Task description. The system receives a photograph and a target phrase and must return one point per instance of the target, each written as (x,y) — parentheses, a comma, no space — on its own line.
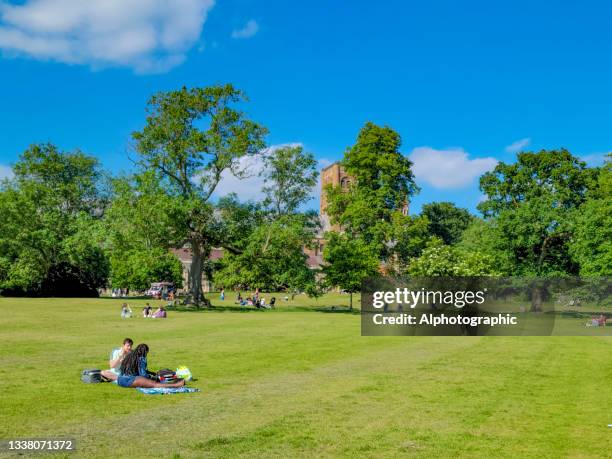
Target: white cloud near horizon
(150,36)
(448,168)
(6,172)
(518,145)
(249,30)
(248,188)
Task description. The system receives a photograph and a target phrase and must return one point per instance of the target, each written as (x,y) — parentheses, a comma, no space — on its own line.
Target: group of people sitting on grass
(128,367)
(147,312)
(597,321)
(255,300)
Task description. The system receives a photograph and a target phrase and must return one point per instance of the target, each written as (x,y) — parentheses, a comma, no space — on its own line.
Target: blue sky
(465,83)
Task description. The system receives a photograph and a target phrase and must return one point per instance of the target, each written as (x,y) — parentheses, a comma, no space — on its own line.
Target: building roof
(184,254)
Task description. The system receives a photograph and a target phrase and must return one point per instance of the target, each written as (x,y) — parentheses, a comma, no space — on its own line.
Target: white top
(114,356)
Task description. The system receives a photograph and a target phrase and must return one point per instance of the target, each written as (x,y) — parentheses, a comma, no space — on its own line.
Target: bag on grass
(167,376)
(91,376)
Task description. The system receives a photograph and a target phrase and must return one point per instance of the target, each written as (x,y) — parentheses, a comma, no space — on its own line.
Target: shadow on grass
(126,298)
(573,314)
(248,309)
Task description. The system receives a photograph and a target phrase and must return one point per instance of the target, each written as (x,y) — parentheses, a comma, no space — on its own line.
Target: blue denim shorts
(126,380)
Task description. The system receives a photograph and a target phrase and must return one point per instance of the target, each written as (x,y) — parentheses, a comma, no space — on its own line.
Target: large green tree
(190,139)
(373,206)
(591,243)
(532,203)
(50,234)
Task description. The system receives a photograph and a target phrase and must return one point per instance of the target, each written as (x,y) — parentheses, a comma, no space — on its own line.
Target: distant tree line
(547,214)
(67,228)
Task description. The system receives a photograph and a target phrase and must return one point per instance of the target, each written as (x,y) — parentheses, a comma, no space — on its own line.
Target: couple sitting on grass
(159,314)
(129,368)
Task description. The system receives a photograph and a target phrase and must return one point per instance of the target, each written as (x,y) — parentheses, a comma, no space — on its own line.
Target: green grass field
(298,381)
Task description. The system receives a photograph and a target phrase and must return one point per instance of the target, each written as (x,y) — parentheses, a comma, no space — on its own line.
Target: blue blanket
(168,390)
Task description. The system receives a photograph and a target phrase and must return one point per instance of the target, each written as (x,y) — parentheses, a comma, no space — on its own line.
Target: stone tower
(331,175)
(336,175)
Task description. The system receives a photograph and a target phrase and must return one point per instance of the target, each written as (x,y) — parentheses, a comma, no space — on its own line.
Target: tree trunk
(536,299)
(351,301)
(195,295)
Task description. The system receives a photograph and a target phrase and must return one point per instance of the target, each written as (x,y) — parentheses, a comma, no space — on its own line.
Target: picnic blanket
(167,390)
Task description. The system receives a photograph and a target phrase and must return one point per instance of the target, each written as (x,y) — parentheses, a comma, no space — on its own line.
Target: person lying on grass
(116,358)
(134,371)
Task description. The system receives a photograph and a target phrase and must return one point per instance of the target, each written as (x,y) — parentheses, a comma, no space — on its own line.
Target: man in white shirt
(116,357)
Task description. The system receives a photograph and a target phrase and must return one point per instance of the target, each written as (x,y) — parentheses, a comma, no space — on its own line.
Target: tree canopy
(290,175)
(67,228)
(50,236)
(446,220)
(591,243)
(372,207)
(531,203)
(191,137)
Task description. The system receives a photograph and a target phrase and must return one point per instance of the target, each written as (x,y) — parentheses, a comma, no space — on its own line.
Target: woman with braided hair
(134,370)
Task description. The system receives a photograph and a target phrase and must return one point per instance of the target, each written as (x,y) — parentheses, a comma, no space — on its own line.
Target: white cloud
(248,31)
(249,187)
(6,172)
(595,159)
(147,35)
(450,168)
(518,145)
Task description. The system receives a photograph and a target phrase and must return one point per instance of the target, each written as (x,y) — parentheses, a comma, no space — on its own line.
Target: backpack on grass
(91,376)
(167,376)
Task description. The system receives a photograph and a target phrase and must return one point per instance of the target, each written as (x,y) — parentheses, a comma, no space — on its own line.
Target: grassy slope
(303,383)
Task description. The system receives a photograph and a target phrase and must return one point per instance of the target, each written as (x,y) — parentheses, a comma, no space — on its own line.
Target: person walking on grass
(116,358)
(134,371)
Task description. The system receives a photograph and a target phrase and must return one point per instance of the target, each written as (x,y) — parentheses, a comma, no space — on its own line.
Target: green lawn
(298,381)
